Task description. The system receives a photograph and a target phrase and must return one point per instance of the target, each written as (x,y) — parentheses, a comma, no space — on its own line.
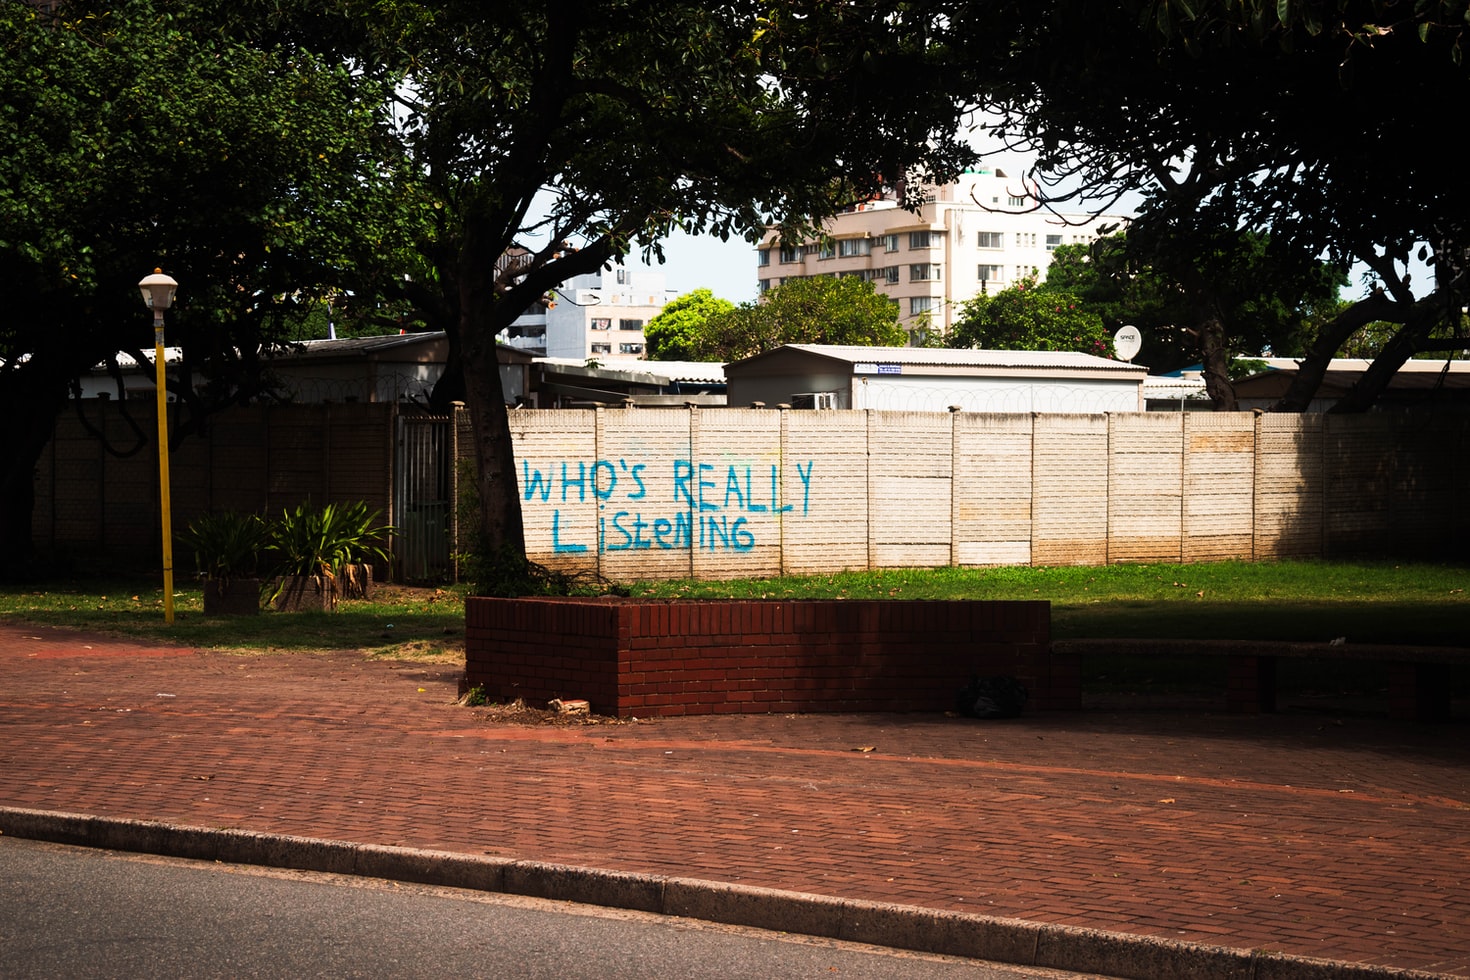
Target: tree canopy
(812,310)
(1316,124)
(1259,309)
(674,334)
(1026,317)
(136,138)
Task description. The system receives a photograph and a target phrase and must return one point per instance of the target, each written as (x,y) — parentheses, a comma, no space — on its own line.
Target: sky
(692,262)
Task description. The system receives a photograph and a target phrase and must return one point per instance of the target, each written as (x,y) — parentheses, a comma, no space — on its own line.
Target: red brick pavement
(1346,838)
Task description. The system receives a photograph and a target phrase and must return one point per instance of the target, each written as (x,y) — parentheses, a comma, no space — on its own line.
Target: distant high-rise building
(599,316)
(981,233)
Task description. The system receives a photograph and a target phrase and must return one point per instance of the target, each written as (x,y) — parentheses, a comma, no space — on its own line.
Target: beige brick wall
(764,491)
(992,489)
(824,481)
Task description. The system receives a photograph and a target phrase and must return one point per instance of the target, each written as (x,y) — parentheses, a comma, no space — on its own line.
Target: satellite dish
(1127,342)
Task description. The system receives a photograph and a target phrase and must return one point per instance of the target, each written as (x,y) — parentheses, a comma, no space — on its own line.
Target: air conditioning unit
(814,399)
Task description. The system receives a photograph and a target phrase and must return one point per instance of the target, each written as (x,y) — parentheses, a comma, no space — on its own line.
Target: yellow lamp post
(158,292)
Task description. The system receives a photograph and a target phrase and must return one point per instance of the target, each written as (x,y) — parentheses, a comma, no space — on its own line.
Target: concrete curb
(1011,941)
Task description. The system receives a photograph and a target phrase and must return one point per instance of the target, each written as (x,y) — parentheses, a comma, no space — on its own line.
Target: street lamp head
(158,290)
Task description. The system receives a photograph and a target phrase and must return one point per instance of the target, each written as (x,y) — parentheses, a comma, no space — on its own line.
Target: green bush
(322,541)
(226,544)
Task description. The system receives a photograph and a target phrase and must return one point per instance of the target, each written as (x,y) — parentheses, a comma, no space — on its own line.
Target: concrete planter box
(645,658)
(317,593)
(232,597)
(303,593)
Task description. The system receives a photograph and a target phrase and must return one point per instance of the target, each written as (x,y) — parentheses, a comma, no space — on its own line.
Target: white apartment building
(972,236)
(600,316)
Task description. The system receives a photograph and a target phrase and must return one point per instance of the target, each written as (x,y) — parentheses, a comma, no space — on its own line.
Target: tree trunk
(1215,363)
(1367,389)
(30,420)
(500,503)
(1313,368)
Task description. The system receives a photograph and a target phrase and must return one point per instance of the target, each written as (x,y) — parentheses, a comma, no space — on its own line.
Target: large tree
(1262,307)
(674,334)
(1025,317)
(810,310)
(186,138)
(558,136)
(1317,123)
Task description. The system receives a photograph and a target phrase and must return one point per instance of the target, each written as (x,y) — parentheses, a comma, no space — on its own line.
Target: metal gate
(423,498)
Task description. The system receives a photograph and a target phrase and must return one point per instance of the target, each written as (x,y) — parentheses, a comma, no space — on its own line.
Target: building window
(762,285)
(890,243)
(919,305)
(1016,202)
(920,239)
(630,324)
(789,254)
(602,348)
(601,323)
(622,277)
(989,273)
(1052,242)
(890,275)
(1022,271)
(990,239)
(763,257)
(630,348)
(825,250)
(923,272)
(854,246)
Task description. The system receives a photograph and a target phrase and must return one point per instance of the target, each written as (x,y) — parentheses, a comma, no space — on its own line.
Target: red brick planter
(647,658)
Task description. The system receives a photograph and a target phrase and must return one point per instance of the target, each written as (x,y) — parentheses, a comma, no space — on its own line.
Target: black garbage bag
(992,697)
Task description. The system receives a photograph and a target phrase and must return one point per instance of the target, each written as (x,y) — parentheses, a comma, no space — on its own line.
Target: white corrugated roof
(1361,364)
(1155,386)
(944,357)
(361,345)
(705,372)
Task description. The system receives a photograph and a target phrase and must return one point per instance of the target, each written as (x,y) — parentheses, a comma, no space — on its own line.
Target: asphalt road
(78,913)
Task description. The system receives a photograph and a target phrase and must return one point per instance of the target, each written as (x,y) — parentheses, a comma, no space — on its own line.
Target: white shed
(935,380)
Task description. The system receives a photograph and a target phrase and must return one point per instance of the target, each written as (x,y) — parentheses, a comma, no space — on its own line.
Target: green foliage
(1245,367)
(1257,118)
(312,541)
(506,573)
(816,310)
(226,544)
(217,142)
(674,334)
(1262,306)
(246,169)
(1025,317)
(1124,291)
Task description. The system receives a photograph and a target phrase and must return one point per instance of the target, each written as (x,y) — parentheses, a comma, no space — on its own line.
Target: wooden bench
(1419,677)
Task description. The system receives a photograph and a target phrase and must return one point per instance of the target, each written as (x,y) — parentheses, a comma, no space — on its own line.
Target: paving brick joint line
(1339,838)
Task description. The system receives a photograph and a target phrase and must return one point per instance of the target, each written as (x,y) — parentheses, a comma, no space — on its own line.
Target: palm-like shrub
(322,541)
(226,544)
